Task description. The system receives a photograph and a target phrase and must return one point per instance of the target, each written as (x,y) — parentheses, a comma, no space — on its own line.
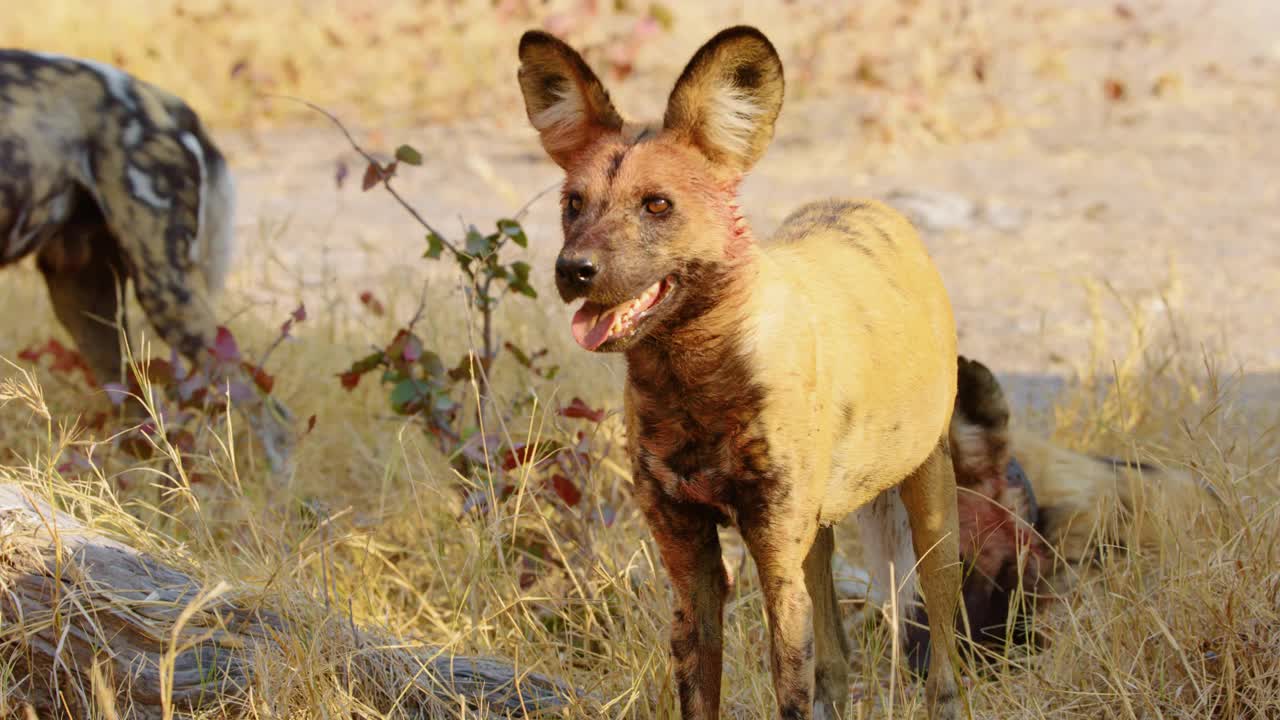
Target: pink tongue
(591,325)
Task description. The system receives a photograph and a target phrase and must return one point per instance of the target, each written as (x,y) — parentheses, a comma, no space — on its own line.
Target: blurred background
(1068,161)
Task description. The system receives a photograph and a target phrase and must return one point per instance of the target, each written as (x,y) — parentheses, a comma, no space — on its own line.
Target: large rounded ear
(728,98)
(565,101)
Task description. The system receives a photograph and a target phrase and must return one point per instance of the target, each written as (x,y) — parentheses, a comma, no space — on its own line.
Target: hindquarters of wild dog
(1033,513)
(105,177)
(774,386)
(84,141)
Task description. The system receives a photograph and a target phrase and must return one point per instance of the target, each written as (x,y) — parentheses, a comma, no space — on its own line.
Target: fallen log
(89,623)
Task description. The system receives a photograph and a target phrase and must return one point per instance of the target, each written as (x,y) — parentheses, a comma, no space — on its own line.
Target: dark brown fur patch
(615,163)
(846,420)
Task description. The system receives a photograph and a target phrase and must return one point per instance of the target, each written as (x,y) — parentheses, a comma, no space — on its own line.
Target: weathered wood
(85,620)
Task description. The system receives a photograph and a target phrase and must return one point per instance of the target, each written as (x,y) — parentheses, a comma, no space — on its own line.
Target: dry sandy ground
(1173,200)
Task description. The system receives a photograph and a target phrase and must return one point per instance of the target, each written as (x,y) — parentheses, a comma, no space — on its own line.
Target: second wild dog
(107,179)
(774,387)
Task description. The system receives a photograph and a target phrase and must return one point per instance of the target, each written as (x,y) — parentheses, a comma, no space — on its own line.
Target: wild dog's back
(886,340)
(75,132)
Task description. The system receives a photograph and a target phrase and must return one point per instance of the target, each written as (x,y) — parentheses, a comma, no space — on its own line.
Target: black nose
(577,272)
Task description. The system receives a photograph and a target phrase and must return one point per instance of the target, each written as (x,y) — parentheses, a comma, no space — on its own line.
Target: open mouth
(594,324)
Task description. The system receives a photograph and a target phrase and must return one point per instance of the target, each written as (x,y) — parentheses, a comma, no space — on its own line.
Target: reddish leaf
(296,316)
(579,409)
(184,441)
(462,371)
(159,372)
(224,347)
(372,174)
(260,377)
(516,456)
(372,303)
(311,424)
(350,379)
(64,359)
(1115,90)
(405,346)
(412,349)
(565,488)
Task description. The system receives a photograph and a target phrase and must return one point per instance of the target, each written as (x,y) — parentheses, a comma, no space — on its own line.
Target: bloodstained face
(643,219)
(651,225)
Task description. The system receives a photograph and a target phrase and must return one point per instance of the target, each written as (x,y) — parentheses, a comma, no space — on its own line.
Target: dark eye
(657,205)
(574,204)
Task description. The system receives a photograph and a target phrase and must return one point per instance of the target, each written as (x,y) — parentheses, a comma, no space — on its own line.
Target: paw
(944,703)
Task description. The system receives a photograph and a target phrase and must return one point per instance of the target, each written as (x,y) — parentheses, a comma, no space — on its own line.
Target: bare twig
(524,210)
(422,306)
(385,179)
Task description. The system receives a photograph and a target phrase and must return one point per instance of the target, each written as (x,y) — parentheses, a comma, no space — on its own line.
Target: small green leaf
(521,270)
(523,288)
(512,229)
(462,371)
(521,356)
(435,246)
(432,365)
(407,393)
(408,155)
(477,244)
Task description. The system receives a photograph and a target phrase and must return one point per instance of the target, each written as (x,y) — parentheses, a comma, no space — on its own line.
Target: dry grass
(370,527)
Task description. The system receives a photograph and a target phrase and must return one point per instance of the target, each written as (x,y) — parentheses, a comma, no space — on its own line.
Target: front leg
(690,548)
(85,274)
(779,538)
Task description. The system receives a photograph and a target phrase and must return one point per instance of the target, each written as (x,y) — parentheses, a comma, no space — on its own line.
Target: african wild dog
(778,387)
(1032,513)
(106,178)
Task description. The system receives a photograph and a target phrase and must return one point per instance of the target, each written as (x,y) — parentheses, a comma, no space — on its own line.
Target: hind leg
(831,647)
(159,236)
(929,495)
(85,277)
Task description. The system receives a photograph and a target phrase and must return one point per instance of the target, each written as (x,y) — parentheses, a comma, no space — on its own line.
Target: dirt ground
(1169,194)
